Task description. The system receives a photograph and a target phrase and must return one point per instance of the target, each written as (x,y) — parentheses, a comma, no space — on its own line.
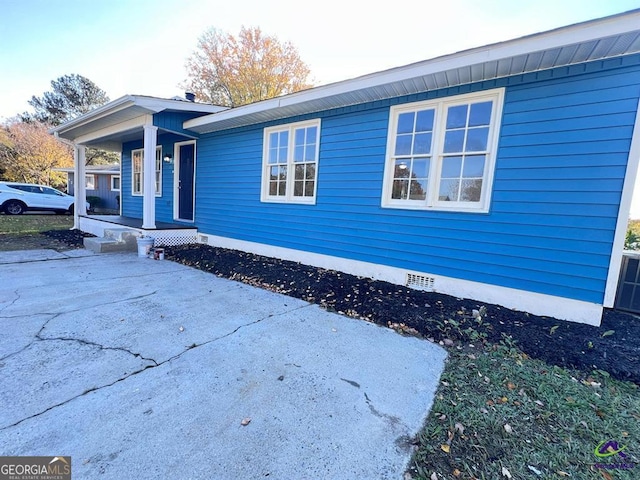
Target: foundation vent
(420,282)
(204,239)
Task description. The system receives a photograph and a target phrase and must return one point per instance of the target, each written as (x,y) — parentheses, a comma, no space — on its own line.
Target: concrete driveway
(146,369)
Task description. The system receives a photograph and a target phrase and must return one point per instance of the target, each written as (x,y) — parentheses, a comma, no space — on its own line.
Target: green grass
(498,409)
(30,224)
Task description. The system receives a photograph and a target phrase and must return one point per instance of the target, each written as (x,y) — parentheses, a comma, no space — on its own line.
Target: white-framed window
(290,162)
(90,182)
(441,153)
(137,171)
(115,183)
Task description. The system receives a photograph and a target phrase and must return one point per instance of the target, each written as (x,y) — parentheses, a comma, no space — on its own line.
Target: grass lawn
(499,414)
(30,224)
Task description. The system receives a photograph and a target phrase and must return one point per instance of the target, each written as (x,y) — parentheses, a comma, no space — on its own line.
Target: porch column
(149,177)
(79,190)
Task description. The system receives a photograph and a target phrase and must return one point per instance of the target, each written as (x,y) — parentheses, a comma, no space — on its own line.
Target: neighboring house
(102,181)
(502,173)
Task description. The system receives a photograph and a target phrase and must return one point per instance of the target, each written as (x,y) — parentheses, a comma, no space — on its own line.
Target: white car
(17,198)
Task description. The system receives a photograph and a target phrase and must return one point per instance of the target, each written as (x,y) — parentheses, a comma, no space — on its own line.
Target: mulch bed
(614,347)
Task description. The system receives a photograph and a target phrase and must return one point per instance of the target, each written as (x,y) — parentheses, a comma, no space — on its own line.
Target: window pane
(283,173)
(403,144)
(471,190)
(422,143)
(284,138)
(457,116)
(400,189)
(273,173)
(401,169)
(299,172)
(453,140)
(298,153)
(273,188)
(424,121)
(309,189)
(312,135)
(420,167)
(477,139)
(473,166)
(282,189)
(282,155)
(448,190)
(418,190)
(298,189)
(405,122)
(310,171)
(273,140)
(273,155)
(451,167)
(480,114)
(310,153)
(299,137)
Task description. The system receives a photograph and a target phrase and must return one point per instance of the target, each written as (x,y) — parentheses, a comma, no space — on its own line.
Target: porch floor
(137,222)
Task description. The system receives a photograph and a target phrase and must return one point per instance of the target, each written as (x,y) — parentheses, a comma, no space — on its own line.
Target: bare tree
(230,71)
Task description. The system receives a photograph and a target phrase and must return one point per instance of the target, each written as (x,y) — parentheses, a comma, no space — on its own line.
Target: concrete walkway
(146,369)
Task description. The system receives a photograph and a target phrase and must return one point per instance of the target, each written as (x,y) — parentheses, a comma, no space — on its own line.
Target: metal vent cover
(420,282)
(204,239)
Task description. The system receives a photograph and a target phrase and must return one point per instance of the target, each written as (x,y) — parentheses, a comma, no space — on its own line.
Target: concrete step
(105,245)
(122,235)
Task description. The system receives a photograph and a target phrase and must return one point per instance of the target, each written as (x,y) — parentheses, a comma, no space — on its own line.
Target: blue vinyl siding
(560,168)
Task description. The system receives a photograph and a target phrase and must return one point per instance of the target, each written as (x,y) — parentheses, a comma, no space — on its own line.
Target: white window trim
(111,183)
(88,182)
(289,197)
(158,192)
(440,105)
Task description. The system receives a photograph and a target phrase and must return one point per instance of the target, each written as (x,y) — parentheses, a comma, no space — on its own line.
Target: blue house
(101,182)
(502,173)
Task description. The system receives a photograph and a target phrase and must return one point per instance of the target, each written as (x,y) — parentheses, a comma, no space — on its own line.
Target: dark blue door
(186,169)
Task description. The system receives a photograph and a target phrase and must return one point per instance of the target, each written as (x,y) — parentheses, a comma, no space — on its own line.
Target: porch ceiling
(600,39)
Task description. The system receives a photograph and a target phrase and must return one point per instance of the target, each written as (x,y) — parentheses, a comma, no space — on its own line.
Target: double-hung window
(137,171)
(290,162)
(441,153)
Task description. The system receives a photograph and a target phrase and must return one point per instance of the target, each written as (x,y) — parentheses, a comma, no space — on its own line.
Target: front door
(186,172)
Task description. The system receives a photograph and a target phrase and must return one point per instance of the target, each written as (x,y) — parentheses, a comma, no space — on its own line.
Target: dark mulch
(70,238)
(613,347)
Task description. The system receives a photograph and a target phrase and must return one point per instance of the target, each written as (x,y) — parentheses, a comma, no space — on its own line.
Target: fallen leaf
(539,403)
(563,474)
(511,386)
(456,473)
(534,470)
(484,410)
(508,428)
(608,333)
(434,476)
(553,329)
(245,421)
(605,475)
(491,403)
(459,427)
(506,472)
(442,417)
(445,448)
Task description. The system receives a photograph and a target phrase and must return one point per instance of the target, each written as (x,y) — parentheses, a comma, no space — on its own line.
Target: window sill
(439,208)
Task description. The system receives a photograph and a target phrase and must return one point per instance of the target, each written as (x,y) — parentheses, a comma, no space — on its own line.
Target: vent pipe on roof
(190,96)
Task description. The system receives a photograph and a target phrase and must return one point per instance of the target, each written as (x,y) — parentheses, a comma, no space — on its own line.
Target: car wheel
(14,207)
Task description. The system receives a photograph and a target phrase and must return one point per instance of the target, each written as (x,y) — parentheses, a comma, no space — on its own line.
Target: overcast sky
(140,46)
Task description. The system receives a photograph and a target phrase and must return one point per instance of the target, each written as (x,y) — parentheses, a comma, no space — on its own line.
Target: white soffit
(600,39)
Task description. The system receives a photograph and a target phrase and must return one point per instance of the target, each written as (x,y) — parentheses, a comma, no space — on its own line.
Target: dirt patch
(58,240)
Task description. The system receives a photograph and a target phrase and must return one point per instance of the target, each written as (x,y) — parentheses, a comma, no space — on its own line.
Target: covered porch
(165,233)
(157,188)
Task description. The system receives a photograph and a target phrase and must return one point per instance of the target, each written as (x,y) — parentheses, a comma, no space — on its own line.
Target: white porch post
(149,177)
(80,190)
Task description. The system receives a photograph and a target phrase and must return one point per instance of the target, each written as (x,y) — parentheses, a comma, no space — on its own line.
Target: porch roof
(122,120)
(599,39)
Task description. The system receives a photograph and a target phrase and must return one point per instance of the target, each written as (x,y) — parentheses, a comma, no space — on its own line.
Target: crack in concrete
(86,307)
(12,301)
(147,367)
